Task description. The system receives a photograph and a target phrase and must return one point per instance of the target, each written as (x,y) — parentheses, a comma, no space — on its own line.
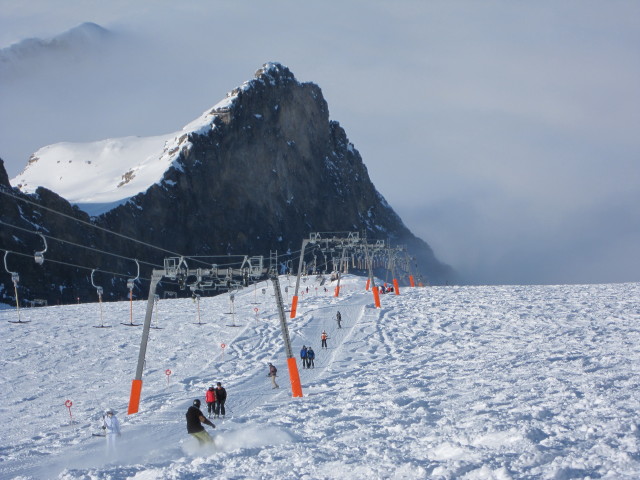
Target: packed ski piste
(471,382)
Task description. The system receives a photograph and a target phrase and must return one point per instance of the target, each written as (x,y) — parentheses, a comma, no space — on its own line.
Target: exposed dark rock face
(273,169)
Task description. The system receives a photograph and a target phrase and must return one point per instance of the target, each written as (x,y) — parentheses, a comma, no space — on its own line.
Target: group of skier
(307,355)
(215,398)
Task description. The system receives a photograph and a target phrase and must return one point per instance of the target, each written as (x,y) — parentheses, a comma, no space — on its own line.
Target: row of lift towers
(340,250)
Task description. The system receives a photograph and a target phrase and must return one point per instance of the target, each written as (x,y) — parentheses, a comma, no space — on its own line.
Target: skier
(210,398)
(195,419)
(339,319)
(303,356)
(310,356)
(324,337)
(221,397)
(111,427)
(272,373)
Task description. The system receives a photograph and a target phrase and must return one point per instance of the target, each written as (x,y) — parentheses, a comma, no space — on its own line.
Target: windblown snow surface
(441,382)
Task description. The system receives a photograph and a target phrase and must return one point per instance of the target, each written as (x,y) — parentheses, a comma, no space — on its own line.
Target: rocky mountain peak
(257,173)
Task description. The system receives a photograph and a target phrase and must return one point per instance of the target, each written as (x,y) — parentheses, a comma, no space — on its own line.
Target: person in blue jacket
(310,356)
(303,356)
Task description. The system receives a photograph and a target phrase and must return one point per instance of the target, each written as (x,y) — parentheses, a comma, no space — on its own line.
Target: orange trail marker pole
(376,297)
(294,376)
(134,399)
(294,306)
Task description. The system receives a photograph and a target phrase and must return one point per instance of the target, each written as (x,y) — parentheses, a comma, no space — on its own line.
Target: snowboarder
(339,319)
(303,356)
(210,398)
(310,356)
(195,419)
(324,337)
(221,397)
(272,373)
(111,427)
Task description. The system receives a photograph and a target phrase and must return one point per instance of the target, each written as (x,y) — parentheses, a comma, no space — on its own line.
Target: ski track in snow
(442,382)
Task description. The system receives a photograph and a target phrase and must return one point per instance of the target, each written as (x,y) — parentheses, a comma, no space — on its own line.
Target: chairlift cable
(74,265)
(78,245)
(4,192)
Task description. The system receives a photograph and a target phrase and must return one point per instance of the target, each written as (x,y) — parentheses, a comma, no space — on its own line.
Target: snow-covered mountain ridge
(100,175)
(75,40)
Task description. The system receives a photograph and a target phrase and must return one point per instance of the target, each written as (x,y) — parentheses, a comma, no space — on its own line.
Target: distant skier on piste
(311,355)
(210,398)
(303,356)
(195,419)
(339,319)
(324,337)
(273,371)
(111,427)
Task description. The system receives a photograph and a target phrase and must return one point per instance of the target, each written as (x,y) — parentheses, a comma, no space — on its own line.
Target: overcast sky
(505,134)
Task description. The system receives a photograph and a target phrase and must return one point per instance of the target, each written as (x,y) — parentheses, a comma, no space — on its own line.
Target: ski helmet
(196,403)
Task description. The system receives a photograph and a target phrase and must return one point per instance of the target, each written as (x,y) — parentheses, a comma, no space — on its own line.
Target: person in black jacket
(221,397)
(195,419)
(273,372)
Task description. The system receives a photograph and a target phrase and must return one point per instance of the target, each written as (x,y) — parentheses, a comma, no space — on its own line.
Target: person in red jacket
(210,398)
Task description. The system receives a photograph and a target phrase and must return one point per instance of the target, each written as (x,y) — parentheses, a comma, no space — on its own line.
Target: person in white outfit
(111,427)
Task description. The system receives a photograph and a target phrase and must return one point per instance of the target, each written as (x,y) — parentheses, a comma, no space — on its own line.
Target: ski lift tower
(343,239)
(294,375)
(176,268)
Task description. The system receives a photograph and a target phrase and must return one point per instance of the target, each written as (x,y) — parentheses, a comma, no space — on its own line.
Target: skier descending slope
(273,372)
(111,427)
(195,419)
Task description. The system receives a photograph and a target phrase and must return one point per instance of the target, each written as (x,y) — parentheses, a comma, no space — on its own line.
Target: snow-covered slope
(443,382)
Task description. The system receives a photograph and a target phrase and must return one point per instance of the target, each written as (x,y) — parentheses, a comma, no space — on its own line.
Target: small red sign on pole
(68,404)
(167,372)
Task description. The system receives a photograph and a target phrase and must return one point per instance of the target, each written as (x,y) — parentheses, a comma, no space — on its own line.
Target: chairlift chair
(15,278)
(99,291)
(130,284)
(39,256)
